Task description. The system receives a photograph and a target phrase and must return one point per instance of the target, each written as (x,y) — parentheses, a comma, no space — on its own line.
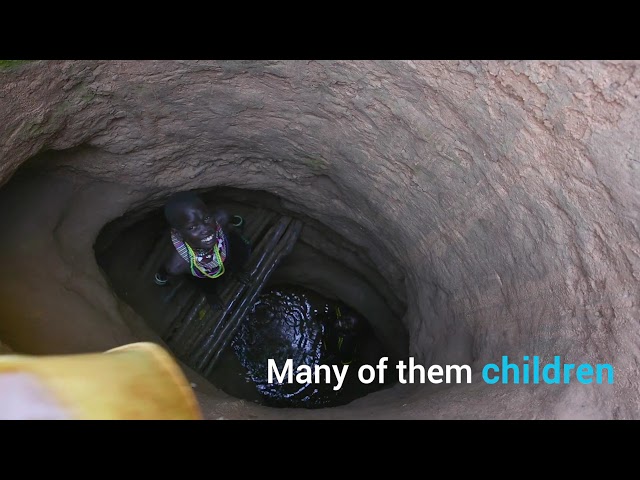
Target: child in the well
(206,246)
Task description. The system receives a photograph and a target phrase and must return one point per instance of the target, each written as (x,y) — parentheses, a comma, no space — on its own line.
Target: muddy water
(289,322)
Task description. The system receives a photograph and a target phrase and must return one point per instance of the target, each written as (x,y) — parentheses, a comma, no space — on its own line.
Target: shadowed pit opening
(296,317)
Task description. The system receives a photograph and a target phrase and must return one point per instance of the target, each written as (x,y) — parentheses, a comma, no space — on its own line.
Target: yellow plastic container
(139,381)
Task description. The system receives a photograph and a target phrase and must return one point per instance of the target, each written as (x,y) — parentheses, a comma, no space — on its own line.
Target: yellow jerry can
(138,381)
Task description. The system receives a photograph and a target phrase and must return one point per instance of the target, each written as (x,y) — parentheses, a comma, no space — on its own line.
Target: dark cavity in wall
(298,311)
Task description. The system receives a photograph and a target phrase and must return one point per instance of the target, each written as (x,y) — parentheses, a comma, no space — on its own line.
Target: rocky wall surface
(499,199)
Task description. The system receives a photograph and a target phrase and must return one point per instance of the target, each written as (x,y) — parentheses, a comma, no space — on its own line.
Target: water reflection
(290,322)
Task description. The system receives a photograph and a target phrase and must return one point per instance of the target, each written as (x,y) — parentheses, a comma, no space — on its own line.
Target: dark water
(290,322)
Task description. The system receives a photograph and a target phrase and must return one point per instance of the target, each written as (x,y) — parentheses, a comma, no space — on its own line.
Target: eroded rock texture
(499,200)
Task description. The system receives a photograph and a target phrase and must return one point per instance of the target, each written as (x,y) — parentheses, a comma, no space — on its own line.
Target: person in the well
(343,334)
(206,246)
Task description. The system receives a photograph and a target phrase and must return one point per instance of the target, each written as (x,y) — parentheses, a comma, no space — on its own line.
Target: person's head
(188,214)
(347,323)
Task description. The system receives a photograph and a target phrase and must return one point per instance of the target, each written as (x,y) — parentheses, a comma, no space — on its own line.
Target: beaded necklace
(202,268)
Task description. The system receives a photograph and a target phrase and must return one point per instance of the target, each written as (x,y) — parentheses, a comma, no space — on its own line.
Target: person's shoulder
(222,217)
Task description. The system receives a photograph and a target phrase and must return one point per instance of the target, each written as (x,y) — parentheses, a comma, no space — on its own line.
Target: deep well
(491,206)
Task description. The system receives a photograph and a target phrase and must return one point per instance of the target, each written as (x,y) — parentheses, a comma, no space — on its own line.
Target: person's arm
(176,265)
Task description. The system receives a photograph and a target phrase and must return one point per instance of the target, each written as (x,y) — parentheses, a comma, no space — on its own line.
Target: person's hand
(24,397)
